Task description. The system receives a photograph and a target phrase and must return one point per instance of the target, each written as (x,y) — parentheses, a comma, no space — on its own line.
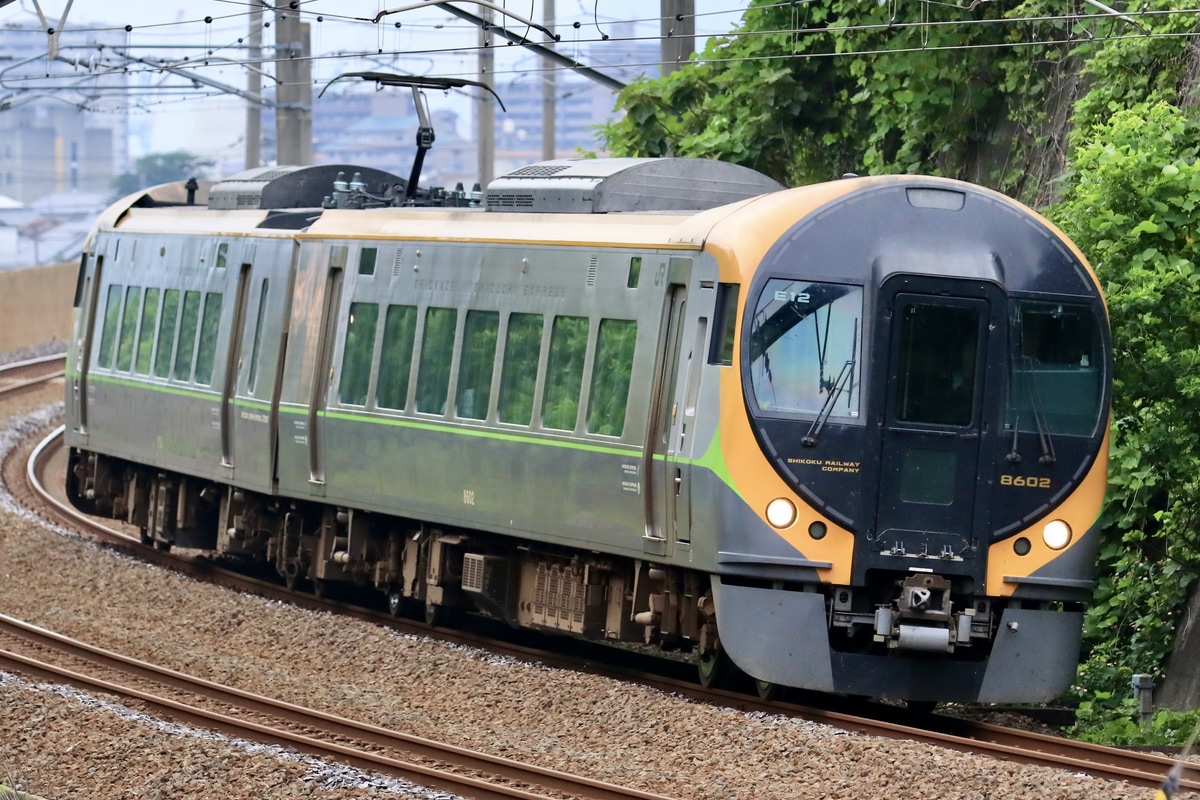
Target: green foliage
(156,168)
(805,92)
(1132,208)
(1105,721)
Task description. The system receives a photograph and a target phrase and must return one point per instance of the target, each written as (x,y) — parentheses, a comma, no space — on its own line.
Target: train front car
(925,366)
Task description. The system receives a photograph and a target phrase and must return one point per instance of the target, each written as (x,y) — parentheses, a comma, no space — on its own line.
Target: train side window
(252,379)
(720,350)
(166,333)
(635,272)
(185,350)
(395,358)
(145,341)
(366,261)
(564,372)
(222,254)
(209,328)
(437,351)
(476,363)
(112,315)
(356,355)
(518,373)
(611,370)
(133,299)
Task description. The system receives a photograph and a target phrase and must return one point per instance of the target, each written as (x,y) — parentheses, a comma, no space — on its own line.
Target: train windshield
(1056,372)
(805,346)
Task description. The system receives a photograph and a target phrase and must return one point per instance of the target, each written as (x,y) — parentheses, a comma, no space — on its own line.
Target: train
(849,437)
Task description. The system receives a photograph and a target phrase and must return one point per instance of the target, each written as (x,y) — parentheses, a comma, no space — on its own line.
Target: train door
(941,338)
(86,293)
(660,457)
(234,358)
(321,378)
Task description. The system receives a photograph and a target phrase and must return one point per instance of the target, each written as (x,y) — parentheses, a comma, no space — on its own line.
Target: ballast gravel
(58,743)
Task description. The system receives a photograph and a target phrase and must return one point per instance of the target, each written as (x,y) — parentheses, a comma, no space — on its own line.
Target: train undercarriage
(440,571)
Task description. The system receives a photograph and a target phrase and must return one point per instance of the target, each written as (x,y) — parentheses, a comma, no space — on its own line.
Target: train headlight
(781,512)
(1056,534)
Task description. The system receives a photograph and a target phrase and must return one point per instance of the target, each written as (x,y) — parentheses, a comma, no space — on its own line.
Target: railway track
(1138,768)
(249,716)
(20,376)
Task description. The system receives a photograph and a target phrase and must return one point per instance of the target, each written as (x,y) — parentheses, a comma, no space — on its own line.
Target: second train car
(851,437)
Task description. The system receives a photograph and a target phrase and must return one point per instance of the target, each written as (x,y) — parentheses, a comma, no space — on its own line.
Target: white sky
(432,42)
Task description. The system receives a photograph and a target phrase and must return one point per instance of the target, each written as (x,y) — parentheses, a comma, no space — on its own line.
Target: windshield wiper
(839,386)
(1043,430)
(835,391)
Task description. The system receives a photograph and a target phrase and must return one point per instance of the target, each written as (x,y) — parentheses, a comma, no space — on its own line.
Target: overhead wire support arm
(197,78)
(516,38)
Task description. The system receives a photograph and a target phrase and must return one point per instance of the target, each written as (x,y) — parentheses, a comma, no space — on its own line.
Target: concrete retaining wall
(35,305)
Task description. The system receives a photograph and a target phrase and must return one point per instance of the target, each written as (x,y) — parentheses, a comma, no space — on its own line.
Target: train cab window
(478,359)
(395,358)
(112,316)
(145,342)
(209,328)
(222,254)
(564,372)
(356,356)
(437,352)
(166,333)
(133,299)
(720,350)
(939,347)
(1056,370)
(366,261)
(611,371)
(804,347)
(518,373)
(252,379)
(188,326)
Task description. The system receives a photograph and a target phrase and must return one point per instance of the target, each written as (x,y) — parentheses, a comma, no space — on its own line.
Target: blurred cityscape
(60,158)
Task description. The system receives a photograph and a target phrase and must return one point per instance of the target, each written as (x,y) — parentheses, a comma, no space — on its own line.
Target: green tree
(156,168)
(808,91)
(1132,207)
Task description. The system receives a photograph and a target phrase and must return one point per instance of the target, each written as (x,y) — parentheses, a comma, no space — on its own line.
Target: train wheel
(766,690)
(161,546)
(434,615)
(395,600)
(714,669)
(291,577)
(320,588)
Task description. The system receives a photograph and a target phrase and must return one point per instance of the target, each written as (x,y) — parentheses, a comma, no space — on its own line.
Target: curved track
(20,376)
(1138,768)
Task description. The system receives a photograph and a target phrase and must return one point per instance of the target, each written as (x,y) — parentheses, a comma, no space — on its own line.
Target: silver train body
(850,437)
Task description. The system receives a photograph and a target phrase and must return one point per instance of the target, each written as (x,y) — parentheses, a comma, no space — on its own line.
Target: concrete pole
(678,35)
(485,116)
(293,112)
(254,86)
(549,90)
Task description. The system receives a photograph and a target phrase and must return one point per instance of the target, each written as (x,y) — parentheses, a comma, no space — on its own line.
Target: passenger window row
(131,317)
(561,383)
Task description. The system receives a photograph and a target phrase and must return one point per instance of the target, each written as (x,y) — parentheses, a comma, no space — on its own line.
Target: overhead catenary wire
(197,55)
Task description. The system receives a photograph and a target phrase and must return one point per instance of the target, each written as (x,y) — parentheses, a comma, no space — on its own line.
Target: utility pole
(293,111)
(486,114)
(678,33)
(254,87)
(549,89)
